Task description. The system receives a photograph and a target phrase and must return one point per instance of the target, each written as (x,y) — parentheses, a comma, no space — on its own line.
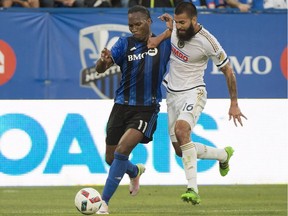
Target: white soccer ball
(88,201)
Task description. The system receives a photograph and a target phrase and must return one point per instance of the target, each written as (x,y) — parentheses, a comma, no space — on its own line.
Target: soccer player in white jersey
(192,46)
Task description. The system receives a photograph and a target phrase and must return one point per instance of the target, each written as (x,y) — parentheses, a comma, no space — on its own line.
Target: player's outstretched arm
(104,62)
(234,110)
(155,41)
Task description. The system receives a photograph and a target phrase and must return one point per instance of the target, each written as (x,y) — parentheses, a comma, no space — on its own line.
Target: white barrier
(62,142)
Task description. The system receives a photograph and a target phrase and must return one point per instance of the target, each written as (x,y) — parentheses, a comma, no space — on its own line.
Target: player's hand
(168,19)
(105,61)
(153,42)
(236,114)
(105,55)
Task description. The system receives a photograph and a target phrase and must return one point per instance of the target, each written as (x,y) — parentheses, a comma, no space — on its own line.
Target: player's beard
(189,33)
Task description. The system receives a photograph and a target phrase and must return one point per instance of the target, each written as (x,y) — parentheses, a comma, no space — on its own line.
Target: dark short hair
(141,9)
(186,7)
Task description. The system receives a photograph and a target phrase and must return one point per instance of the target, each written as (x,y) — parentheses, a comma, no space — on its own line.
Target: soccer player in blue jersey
(134,115)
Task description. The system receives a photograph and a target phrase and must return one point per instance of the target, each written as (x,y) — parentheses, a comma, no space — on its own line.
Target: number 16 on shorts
(187,107)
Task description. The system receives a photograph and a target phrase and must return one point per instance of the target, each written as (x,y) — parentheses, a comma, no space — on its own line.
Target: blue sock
(132,170)
(117,170)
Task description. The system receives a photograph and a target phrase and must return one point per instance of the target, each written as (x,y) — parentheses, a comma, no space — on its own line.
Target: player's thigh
(116,125)
(129,140)
(191,105)
(173,112)
(144,121)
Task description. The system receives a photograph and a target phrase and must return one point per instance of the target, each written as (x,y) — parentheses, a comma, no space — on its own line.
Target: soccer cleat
(103,209)
(134,182)
(224,167)
(191,196)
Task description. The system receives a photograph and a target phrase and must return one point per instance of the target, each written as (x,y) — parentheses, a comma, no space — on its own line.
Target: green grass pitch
(244,200)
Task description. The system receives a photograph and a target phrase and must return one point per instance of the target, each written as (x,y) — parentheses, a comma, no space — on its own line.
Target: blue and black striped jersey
(142,71)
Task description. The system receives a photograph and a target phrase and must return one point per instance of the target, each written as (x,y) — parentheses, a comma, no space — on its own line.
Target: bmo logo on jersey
(151,52)
(92,40)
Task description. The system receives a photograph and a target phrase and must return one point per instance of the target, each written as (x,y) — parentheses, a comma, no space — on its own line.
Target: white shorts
(186,106)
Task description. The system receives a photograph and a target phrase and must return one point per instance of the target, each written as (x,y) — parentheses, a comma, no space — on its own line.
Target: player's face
(139,25)
(185,26)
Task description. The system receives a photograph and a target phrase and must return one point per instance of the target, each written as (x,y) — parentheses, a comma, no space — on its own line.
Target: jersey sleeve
(118,51)
(167,44)
(216,52)
(167,49)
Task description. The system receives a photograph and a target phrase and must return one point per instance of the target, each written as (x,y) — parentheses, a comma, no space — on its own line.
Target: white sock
(189,159)
(207,152)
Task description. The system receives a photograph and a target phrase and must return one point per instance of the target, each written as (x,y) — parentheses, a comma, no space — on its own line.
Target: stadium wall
(50,54)
(62,142)
(52,121)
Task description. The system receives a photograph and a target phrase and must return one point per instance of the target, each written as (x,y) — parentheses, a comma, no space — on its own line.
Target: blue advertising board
(51,53)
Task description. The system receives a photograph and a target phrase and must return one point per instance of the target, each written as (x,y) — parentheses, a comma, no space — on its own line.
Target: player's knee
(109,159)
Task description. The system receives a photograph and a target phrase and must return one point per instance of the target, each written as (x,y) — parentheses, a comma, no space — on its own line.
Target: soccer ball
(88,201)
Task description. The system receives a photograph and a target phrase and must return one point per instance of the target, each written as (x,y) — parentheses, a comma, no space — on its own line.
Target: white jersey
(188,60)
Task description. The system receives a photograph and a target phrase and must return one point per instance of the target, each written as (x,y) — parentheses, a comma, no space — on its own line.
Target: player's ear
(194,19)
(149,20)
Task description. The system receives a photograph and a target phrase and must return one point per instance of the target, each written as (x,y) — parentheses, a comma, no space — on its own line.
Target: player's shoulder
(122,42)
(203,32)
(124,39)
(208,39)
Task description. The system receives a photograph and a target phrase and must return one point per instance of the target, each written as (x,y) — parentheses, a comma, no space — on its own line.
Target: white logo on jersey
(133,48)
(153,51)
(150,52)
